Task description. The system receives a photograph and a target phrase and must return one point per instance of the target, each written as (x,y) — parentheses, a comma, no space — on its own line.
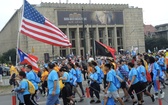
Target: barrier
(13,98)
(88,95)
(158,85)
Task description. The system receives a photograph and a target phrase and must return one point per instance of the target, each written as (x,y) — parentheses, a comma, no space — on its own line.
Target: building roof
(149,29)
(161,25)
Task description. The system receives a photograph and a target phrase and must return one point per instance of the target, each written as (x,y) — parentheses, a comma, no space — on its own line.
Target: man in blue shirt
(53,86)
(1,72)
(111,90)
(30,75)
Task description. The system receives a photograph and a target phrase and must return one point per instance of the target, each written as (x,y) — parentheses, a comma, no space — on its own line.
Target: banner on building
(90,17)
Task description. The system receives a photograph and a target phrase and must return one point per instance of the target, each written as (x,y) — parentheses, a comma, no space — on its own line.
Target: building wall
(133,27)
(8,35)
(129,34)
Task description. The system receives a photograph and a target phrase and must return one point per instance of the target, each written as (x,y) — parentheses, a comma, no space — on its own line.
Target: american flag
(40,28)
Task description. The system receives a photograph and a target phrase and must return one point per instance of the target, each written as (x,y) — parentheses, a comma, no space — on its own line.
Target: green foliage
(160,43)
(5,57)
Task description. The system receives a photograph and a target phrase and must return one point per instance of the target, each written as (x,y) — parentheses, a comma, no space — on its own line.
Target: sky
(155,12)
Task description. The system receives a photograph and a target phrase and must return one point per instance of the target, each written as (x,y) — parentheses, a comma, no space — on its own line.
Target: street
(6,100)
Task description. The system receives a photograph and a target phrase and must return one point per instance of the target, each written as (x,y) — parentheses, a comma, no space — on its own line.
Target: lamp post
(84,42)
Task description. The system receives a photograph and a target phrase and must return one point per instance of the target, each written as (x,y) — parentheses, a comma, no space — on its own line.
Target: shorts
(52,100)
(123,85)
(114,94)
(143,86)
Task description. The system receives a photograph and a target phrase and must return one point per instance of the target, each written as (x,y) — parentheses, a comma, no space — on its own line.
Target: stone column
(67,33)
(115,38)
(77,41)
(97,33)
(106,36)
(87,40)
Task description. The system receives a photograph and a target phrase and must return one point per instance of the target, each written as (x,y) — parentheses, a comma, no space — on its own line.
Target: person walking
(31,76)
(53,86)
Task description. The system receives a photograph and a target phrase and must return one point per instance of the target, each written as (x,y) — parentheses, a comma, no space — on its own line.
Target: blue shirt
(72,74)
(155,69)
(119,74)
(24,85)
(110,78)
(99,75)
(94,76)
(66,75)
(31,77)
(79,75)
(53,76)
(133,72)
(141,70)
(125,67)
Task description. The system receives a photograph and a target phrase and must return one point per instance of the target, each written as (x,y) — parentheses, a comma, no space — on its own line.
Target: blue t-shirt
(125,67)
(31,77)
(72,74)
(119,74)
(94,76)
(79,75)
(141,70)
(66,75)
(156,68)
(53,76)
(24,85)
(110,78)
(133,72)
(99,75)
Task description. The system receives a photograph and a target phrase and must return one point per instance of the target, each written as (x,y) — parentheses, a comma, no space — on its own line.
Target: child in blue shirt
(134,84)
(23,92)
(94,86)
(142,77)
(111,89)
(79,77)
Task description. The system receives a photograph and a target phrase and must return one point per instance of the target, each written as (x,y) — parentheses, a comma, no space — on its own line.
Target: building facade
(116,25)
(162,30)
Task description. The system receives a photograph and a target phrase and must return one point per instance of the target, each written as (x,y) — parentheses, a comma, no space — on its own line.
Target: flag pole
(19,26)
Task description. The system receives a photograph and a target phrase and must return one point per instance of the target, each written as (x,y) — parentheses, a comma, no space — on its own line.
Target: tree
(160,43)
(9,56)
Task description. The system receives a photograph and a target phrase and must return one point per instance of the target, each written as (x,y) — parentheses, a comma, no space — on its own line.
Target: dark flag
(104,50)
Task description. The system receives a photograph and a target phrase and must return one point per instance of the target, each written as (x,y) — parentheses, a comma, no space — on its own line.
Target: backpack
(110,101)
(31,87)
(37,79)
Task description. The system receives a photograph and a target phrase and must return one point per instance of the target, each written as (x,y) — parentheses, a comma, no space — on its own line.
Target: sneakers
(92,101)
(81,100)
(153,98)
(162,95)
(142,102)
(134,103)
(98,101)
(156,95)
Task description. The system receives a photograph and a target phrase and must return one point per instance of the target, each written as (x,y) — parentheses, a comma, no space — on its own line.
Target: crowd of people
(133,74)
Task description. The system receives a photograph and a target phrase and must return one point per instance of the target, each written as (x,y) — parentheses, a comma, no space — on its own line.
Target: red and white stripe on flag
(36,26)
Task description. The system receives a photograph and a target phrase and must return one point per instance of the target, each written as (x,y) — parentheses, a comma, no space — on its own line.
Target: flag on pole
(26,59)
(36,26)
(104,50)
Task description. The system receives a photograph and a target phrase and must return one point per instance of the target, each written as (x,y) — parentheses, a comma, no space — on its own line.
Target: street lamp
(84,42)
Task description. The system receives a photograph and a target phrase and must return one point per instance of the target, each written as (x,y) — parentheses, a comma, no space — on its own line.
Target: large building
(162,30)
(116,25)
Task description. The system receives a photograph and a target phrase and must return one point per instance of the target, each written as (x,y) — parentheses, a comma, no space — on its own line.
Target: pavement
(7,99)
